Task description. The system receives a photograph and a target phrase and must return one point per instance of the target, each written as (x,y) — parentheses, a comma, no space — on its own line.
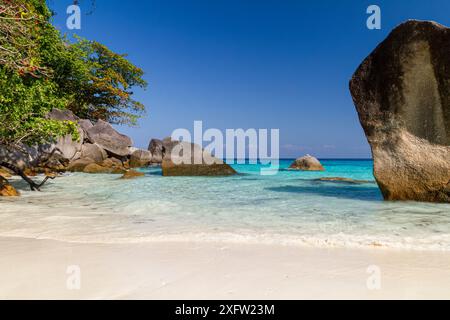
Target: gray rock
(307,163)
(104,135)
(66,146)
(93,151)
(189,159)
(85,125)
(62,115)
(156,148)
(140,158)
(402,95)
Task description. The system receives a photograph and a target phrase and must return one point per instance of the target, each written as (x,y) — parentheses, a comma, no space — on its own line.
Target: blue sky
(249,64)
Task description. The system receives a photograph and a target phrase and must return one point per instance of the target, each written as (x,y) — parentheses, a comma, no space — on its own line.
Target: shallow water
(288,208)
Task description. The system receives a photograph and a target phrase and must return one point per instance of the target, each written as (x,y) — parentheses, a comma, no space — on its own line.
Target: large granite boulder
(94,152)
(156,148)
(402,95)
(189,159)
(140,158)
(66,146)
(105,136)
(307,163)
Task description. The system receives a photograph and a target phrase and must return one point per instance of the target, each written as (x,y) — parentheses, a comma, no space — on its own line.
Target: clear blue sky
(249,64)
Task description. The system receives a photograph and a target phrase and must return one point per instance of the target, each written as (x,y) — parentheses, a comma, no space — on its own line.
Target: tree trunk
(33,185)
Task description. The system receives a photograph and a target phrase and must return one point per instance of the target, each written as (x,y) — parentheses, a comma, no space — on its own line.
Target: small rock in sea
(105,136)
(80,164)
(307,163)
(132,174)
(174,162)
(156,148)
(94,152)
(140,158)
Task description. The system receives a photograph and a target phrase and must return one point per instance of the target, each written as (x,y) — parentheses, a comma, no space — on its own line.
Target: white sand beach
(37,269)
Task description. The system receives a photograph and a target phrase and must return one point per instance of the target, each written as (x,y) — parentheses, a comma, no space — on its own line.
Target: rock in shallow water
(189,159)
(402,95)
(156,148)
(307,163)
(94,152)
(140,158)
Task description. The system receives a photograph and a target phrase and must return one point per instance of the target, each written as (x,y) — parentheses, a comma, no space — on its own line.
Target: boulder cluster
(102,149)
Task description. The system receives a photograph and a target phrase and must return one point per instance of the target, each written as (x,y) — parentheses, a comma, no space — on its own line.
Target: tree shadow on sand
(364,193)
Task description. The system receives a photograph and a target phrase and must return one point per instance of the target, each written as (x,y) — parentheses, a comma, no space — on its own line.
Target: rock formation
(402,95)
(140,158)
(105,136)
(307,163)
(94,152)
(189,159)
(66,146)
(157,150)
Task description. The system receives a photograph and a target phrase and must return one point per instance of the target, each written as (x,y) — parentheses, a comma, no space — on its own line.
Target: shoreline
(37,269)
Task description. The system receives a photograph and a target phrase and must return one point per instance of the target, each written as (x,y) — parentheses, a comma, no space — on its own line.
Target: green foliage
(100,83)
(41,70)
(23,106)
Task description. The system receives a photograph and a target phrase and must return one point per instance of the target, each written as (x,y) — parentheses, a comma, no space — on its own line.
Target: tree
(26,92)
(41,70)
(101,84)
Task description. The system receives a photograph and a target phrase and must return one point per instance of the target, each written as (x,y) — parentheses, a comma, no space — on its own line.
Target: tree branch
(33,185)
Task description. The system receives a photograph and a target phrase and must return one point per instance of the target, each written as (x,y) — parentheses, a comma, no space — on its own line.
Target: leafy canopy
(41,70)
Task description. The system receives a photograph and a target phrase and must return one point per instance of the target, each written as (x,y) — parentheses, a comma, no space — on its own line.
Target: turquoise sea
(287,208)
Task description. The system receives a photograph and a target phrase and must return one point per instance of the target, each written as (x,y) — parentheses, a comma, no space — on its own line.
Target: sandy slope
(37,269)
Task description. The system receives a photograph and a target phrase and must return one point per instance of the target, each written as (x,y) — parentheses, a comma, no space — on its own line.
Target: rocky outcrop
(402,95)
(105,136)
(85,125)
(94,152)
(307,163)
(66,146)
(189,159)
(156,148)
(79,165)
(140,158)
